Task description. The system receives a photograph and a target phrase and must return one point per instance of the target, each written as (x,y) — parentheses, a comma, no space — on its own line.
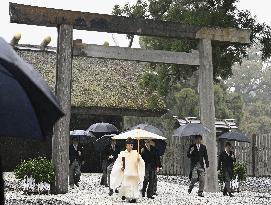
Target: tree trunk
(207,110)
(60,141)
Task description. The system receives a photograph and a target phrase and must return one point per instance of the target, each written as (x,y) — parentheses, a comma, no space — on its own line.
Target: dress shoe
(143,194)
(76,184)
(189,191)
(231,195)
(132,201)
(150,197)
(200,195)
(111,192)
(155,194)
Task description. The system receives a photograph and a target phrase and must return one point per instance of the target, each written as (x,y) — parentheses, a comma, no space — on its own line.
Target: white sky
(35,34)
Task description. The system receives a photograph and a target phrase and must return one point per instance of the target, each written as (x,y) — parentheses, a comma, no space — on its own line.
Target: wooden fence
(256,155)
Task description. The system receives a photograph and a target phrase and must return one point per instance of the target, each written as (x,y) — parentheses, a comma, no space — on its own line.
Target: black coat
(108,151)
(200,156)
(225,162)
(151,157)
(74,154)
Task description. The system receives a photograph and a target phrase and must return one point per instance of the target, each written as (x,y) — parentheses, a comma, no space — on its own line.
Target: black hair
(228,144)
(129,140)
(198,136)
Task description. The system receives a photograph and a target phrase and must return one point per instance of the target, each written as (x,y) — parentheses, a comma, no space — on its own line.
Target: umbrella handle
(138,146)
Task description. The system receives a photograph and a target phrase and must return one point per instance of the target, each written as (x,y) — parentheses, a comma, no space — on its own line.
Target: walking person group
(124,171)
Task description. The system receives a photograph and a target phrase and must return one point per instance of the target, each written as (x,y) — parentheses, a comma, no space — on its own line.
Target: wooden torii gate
(66,21)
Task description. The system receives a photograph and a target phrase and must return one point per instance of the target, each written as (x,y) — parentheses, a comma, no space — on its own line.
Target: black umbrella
(103,142)
(234,136)
(82,136)
(191,129)
(160,145)
(102,127)
(27,106)
(149,128)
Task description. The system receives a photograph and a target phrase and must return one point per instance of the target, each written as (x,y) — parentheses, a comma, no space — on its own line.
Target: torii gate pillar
(207,110)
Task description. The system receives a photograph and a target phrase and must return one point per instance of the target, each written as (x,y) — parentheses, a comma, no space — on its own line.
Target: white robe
(129,179)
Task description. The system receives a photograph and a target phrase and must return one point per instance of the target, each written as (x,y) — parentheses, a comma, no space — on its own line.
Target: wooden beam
(60,140)
(207,110)
(136,54)
(42,16)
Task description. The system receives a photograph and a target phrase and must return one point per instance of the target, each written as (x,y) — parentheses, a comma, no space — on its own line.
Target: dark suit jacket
(225,162)
(151,157)
(73,154)
(200,156)
(109,151)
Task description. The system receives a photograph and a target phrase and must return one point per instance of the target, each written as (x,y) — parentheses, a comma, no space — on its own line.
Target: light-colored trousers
(109,169)
(198,174)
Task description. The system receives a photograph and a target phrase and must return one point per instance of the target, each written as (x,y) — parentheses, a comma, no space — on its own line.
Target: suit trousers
(104,176)
(155,183)
(74,172)
(227,180)
(149,180)
(198,174)
(109,169)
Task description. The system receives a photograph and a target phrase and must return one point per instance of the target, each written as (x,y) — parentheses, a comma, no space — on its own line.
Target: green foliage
(40,169)
(252,81)
(222,13)
(240,169)
(187,103)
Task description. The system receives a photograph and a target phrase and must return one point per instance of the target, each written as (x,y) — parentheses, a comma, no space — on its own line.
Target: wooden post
(60,141)
(207,110)
(253,154)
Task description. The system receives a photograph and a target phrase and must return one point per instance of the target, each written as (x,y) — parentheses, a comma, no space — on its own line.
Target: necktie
(198,146)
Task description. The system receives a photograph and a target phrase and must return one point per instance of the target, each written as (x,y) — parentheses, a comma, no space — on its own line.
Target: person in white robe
(128,172)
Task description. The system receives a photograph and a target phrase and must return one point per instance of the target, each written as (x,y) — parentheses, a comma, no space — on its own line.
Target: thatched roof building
(99,86)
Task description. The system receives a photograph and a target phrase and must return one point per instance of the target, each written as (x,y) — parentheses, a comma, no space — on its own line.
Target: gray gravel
(171,190)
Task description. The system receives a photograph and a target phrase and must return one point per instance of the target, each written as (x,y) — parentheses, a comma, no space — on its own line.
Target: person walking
(225,165)
(75,157)
(198,155)
(127,172)
(111,154)
(150,156)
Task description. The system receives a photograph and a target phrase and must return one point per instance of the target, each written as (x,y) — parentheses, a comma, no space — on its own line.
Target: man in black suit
(198,154)
(225,165)
(111,154)
(150,157)
(160,167)
(75,155)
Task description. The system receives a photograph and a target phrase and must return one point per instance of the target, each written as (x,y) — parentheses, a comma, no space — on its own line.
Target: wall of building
(15,150)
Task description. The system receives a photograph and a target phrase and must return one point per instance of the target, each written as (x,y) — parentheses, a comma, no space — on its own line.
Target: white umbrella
(138,134)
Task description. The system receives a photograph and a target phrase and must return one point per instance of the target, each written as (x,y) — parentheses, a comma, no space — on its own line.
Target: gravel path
(171,190)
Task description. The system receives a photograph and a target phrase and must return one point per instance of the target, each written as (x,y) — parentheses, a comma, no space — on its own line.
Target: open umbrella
(191,129)
(159,144)
(138,134)
(149,128)
(83,136)
(28,107)
(103,142)
(102,127)
(234,136)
